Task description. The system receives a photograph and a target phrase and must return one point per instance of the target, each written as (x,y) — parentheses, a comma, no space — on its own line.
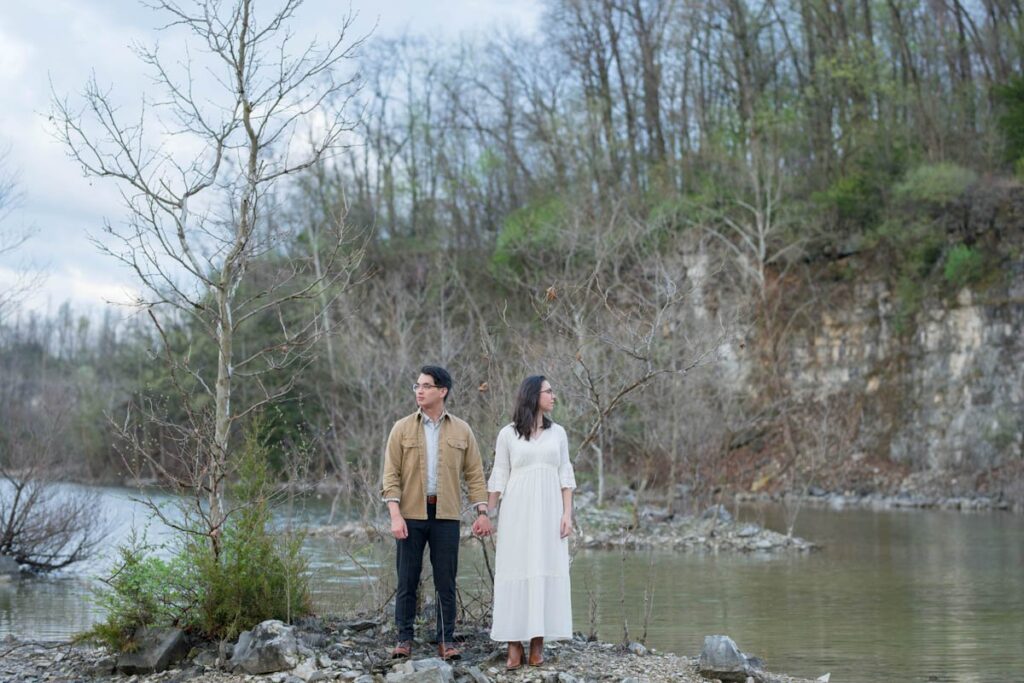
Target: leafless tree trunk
(196,225)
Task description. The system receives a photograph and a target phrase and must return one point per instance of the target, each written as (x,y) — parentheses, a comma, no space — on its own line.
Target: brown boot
(448,652)
(536,651)
(515,656)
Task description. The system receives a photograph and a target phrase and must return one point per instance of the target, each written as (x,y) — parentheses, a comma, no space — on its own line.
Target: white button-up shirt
(432,437)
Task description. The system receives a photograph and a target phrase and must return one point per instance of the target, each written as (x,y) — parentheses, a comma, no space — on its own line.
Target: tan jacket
(405,467)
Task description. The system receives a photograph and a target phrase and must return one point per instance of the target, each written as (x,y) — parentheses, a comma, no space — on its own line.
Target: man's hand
(398,528)
(565,527)
(482,526)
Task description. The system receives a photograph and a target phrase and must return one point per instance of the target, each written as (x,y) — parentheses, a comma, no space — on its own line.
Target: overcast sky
(63,41)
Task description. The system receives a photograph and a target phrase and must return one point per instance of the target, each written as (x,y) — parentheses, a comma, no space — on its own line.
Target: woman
(534,479)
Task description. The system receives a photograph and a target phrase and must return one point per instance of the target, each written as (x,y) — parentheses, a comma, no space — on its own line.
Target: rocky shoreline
(356,650)
(839,500)
(619,527)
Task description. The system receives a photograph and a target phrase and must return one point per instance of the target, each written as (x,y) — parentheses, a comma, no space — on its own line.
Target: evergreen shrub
(964,266)
(255,573)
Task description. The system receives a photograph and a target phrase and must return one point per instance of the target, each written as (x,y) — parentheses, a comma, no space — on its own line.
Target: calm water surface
(918,595)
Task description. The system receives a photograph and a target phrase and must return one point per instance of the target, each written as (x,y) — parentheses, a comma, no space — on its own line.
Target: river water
(900,595)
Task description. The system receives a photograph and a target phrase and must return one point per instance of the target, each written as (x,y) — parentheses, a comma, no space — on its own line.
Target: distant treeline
(613,202)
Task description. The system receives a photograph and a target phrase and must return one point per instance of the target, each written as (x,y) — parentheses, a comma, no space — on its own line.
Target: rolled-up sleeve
(566,475)
(502,464)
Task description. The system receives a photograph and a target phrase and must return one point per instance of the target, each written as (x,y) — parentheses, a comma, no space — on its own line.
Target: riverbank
(357,650)
(621,526)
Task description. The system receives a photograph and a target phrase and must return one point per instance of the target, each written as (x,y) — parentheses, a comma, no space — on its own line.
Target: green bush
(934,184)
(142,591)
(855,198)
(1010,101)
(964,266)
(257,574)
(254,574)
(531,228)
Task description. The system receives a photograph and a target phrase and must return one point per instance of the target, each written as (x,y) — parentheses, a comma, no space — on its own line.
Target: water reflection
(895,595)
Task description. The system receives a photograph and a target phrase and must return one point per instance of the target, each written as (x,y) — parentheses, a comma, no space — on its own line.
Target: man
(428,454)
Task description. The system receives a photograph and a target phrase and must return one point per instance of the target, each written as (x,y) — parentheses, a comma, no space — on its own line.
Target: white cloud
(65,41)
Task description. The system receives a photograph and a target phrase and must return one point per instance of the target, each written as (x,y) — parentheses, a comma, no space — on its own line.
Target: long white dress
(531,576)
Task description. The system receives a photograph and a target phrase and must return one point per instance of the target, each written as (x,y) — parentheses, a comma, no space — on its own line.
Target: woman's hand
(565,527)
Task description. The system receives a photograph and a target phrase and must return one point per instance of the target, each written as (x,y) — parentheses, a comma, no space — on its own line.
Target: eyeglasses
(548,391)
(417,387)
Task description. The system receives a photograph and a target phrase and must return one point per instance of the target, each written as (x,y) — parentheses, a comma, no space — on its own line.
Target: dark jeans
(442,535)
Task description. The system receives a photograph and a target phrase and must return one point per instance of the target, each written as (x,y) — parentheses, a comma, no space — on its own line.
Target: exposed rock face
(925,378)
(947,394)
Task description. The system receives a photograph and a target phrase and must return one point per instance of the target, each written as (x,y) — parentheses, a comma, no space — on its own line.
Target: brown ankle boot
(515,656)
(536,651)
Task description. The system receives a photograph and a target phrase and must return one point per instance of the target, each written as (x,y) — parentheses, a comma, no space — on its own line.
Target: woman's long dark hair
(527,401)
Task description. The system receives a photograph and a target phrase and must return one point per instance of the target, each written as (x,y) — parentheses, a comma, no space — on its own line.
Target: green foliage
(143,591)
(915,249)
(856,198)
(532,228)
(253,573)
(1010,98)
(934,185)
(909,296)
(257,574)
(964,266)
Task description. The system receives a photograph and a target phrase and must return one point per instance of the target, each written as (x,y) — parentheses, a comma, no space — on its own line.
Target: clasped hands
(482,526)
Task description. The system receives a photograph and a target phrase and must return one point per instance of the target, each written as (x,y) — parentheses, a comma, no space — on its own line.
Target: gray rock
(362,625)
(432,675)
(206,658)
(429,663)
(475,675)
(102,667)
(720,658)
(638,649)
(244,639)
(748,531)
(272,646)
(305,669)
(157,649)
(566,678)
(718,511)
(9,568)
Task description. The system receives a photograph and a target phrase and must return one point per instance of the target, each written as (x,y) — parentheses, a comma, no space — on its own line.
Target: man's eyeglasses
(417,387)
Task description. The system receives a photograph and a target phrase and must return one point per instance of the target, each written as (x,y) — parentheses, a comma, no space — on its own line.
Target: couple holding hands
(428,456)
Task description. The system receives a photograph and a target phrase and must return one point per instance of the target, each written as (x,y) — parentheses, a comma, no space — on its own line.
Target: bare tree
(197,223)
(26,280)
(44,525)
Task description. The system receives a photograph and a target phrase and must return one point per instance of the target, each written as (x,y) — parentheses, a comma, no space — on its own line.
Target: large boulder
(157,649)
(432,670)
(721,658)
(270,647)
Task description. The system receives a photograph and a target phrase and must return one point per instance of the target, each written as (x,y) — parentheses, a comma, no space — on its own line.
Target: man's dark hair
(440,376)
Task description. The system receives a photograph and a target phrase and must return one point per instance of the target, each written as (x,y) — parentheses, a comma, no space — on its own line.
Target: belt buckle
(431,500)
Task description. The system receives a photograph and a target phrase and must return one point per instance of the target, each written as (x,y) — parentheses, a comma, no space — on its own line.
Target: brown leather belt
(431,500)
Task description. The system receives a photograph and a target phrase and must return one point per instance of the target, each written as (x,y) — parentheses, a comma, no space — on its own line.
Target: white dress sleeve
(566,476)
(502,464)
